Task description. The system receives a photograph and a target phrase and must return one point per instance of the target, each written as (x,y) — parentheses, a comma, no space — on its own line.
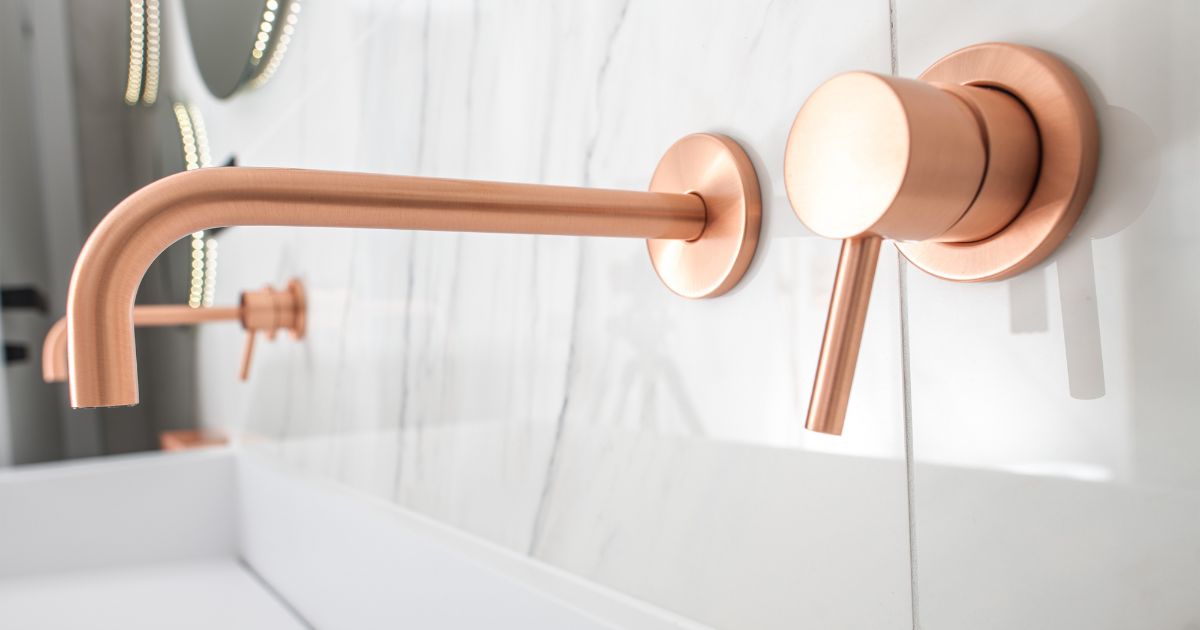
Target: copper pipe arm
(102,364)
(153,315)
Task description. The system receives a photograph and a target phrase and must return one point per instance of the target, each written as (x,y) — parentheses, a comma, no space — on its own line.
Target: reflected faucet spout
(54,348)
(702,218)
(266,310)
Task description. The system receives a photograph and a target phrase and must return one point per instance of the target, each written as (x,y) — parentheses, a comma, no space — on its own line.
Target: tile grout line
(892,39)
(906,374)
(910,478)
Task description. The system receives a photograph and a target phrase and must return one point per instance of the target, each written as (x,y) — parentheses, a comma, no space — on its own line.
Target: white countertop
(199,594)
(230,538)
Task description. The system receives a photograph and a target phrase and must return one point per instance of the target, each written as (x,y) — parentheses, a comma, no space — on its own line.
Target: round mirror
(238,44)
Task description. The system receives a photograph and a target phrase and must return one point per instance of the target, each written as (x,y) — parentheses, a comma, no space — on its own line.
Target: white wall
(1055,416)
(548,394)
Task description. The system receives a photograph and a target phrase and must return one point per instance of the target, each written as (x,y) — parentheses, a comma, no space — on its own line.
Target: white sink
(225,538)
(215,593)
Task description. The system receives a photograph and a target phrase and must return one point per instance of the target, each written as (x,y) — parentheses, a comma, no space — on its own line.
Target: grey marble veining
(548,393)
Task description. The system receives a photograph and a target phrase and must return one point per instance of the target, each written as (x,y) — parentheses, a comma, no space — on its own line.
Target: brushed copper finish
(1070,145)
(273,309)
(152,315)
(718,170)
(268,311)
(870,154)
(964,169)
(843,334)
(1012,149)
(188,439)
(102,364)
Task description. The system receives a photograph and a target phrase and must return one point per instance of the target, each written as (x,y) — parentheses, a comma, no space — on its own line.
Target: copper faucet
(977,170)
(701,217)
(266,311)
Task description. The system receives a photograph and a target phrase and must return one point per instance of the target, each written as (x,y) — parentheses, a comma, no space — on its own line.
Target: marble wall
(1056,483)
(548,394)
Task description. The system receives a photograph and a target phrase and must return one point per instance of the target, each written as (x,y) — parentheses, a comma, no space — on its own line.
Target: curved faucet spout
(702,220)
(102,364)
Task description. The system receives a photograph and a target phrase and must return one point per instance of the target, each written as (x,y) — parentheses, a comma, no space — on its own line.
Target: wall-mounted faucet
(978,170)
(265,311)
(701,220)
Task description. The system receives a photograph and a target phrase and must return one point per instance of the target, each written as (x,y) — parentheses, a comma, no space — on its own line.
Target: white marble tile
(736,536)
(1077,380)
(517,386)
(548,394)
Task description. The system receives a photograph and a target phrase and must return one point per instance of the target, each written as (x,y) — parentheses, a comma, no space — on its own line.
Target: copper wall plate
(1069,140)
(299,309)
(718,170)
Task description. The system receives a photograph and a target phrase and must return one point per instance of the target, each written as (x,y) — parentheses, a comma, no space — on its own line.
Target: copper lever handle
(247,356)
(843,334)
(953,166)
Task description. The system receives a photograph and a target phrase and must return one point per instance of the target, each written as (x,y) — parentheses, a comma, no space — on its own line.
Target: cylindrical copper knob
(905,159)
(872,157)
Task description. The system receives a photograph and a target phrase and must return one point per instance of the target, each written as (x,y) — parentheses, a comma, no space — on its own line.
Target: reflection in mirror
(141,83)
(239,44)
(67,156)
(191,152)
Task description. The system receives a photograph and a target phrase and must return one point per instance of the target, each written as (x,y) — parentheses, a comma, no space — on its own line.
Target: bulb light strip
(274,36)
(203,270)
(153,48)
(145,52)
(137,51)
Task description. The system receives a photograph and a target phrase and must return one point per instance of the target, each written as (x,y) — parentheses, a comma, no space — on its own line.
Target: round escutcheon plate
(718,170)
(300,307)
(1069,141)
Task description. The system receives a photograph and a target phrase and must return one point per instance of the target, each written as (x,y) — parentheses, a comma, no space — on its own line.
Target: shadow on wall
(1125,186)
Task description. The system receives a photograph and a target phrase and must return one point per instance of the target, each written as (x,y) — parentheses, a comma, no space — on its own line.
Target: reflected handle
(269,310)
(247,356)
(843,334)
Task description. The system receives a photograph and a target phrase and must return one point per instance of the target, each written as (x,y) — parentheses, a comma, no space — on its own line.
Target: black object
(15,353)
(23,297)
(232,161)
